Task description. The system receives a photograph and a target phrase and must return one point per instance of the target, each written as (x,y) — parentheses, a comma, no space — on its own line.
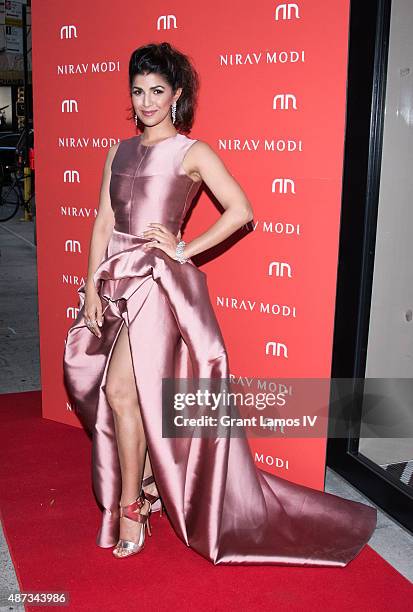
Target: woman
(146,316)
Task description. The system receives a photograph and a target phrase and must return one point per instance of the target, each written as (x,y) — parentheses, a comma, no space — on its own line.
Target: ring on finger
(159,229)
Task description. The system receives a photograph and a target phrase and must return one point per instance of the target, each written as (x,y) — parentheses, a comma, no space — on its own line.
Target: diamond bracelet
(179,255)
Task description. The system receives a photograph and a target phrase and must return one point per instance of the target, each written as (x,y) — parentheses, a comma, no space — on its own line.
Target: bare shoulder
(111,154)
(112,150)
(199,153)
(200,160)
(200,147)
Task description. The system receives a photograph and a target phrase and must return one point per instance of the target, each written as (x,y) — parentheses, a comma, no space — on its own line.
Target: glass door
(373,341)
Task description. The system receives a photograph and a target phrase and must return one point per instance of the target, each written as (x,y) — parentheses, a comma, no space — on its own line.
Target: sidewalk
(19,332)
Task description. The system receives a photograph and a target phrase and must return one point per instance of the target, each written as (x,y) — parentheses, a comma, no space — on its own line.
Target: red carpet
(50,519)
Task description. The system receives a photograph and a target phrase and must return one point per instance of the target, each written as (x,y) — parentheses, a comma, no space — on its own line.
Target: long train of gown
(219,503)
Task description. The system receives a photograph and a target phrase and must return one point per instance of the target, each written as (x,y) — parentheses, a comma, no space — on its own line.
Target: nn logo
(72,246)
(72,312)
(166,22)
(285,11)
(276,349)
(68,31)
(71,176)
(70,106)
(284,102)
(279,268)
(283,185)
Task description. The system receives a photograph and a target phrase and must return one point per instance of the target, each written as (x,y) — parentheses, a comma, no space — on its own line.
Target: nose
(147,100)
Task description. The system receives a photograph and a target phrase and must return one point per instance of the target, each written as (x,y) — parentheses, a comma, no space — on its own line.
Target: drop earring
(136,119)
(173,107)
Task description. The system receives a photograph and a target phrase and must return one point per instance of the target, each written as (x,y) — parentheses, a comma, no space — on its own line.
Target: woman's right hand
(93,310)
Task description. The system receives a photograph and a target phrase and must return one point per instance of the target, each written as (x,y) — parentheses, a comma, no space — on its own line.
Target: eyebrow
(154,87)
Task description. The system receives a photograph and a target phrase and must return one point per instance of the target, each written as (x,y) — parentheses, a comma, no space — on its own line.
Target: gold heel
(133,512)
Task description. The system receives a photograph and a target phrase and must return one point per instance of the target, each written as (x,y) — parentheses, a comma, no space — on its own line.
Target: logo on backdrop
(271,461)
(246,305)
(70,106)
(280,267)
(166,22)
(286,11)
(93,68)
(71,176)
(72,246)
(72,312)
(276,349)
(251,144)
(284,102)
(78,211)
(279,227)
(73,280)
(258,57)
(68,31)
(84,142)
(284,185)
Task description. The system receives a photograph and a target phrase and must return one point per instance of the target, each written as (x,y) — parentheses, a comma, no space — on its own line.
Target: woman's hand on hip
(162,239)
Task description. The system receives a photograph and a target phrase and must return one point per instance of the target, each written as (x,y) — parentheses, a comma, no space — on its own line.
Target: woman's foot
(134,520)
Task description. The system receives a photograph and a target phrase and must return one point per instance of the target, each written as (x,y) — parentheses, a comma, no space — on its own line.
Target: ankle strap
(148,480)
(132,507)
(130,511)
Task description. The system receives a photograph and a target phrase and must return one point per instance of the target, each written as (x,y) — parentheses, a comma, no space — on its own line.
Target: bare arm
(202,160)
(102,230)
(104,222)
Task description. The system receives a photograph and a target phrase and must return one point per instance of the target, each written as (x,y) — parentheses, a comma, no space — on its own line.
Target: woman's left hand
(162,239)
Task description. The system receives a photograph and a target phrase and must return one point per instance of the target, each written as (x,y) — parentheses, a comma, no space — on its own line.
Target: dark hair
(177,70)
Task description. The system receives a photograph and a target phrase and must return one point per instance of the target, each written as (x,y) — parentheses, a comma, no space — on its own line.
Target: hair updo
(177,70)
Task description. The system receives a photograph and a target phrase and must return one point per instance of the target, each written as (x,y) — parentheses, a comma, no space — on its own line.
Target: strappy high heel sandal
(132,512)
(155,500)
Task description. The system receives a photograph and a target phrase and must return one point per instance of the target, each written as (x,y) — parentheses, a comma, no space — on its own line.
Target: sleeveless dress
(218,502)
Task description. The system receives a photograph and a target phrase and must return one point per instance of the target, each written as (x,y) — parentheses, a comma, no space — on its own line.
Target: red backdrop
(272,104)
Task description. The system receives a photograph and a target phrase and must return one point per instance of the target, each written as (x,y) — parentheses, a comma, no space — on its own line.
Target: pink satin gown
(219,503)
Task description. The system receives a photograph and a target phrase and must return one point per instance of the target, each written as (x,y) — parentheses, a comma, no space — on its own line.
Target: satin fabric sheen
(218,502)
